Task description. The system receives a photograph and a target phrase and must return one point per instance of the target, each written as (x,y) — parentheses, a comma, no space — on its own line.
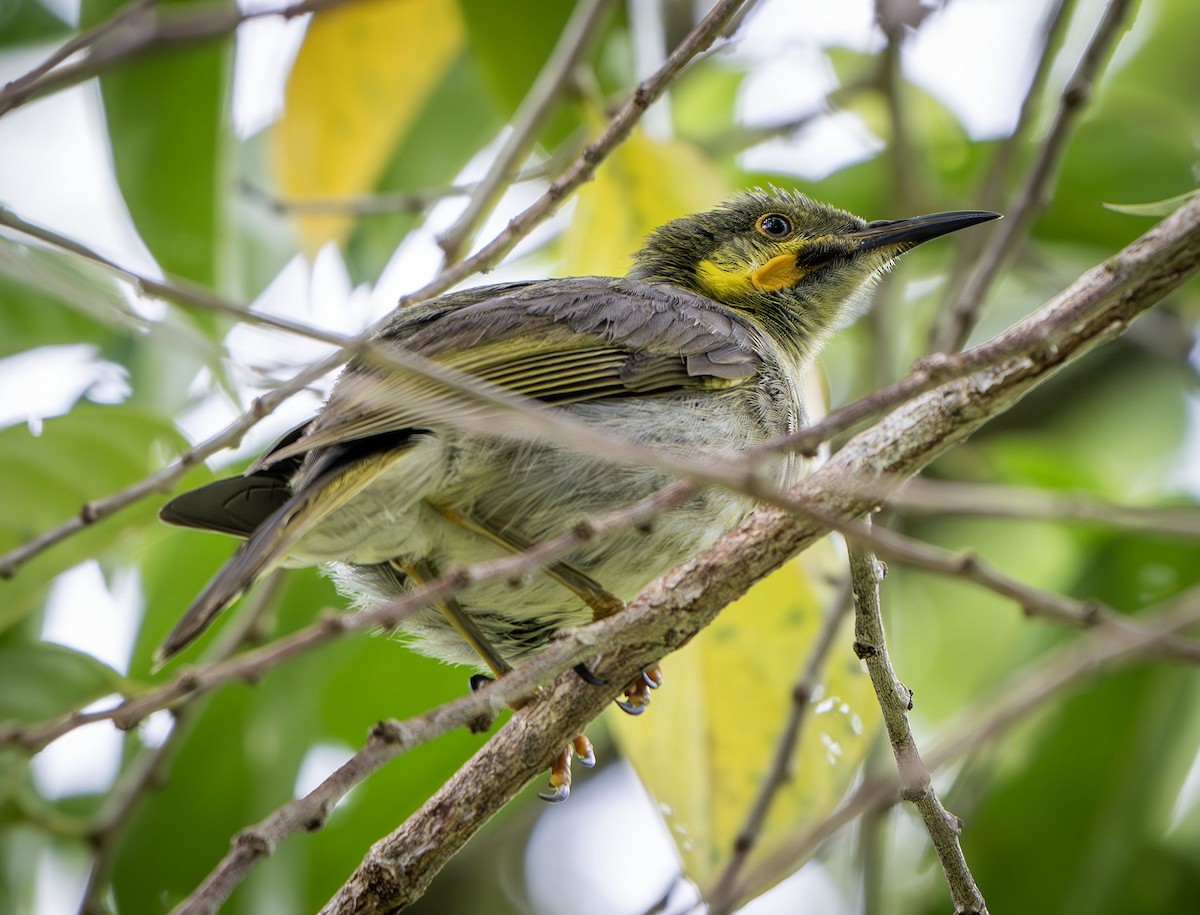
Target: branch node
(89,513)
(864,650)
(389,731)
(253,843)
(458,577)
(319,818)
(934,366)
(332,622)
(1075,96)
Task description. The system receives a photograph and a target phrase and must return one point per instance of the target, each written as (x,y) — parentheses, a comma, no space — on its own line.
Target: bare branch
(133,31)
(960,317)
(1100,650)
(1099,305)
(539,103)
(895,701)
(943,497)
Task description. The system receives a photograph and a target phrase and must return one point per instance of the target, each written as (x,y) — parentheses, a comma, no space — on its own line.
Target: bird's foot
(637,693)
(560,769)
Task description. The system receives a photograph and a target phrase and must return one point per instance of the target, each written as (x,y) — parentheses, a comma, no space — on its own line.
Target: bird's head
(795,266)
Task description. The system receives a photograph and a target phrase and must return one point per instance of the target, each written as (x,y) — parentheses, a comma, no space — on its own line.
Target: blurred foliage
(1090,799)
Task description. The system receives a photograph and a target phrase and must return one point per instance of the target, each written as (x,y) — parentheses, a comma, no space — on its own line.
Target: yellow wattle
(777,273)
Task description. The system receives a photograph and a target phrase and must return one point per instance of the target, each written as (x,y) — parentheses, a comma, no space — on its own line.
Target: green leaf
(88,453)
(511,41)
(40,680)
(1087,812)
(29,21)
(48,297)
(166,118)
(1157,208)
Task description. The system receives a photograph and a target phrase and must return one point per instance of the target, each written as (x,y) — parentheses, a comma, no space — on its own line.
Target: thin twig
(577,173)
(895,701)
(780,770)
(139,31)
(125,16)
(1029,689)
(386,202)
(957,321)
(402,864)
(943,497)
(578,35)
(251,665)
(992,189)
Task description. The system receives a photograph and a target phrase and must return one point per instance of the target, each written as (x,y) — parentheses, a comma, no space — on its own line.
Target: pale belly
(536,491)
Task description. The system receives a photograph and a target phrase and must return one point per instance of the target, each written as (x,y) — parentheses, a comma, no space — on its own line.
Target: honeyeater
(699,349)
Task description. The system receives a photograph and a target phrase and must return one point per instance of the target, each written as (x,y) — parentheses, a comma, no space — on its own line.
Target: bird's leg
(560,769)
(602,601)
(422,571)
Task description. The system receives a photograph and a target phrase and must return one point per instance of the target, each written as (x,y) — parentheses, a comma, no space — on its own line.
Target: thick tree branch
(1093,310)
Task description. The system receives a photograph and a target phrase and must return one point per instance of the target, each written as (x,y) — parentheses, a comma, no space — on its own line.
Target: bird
(698,350)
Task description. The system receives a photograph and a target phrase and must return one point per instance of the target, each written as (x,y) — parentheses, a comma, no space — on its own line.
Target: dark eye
(774,226)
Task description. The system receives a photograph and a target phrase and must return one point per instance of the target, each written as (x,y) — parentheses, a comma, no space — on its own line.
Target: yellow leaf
(642,185)
(362,76)
(707,739)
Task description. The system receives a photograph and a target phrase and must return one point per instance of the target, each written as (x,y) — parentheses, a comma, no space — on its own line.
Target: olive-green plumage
(698,350)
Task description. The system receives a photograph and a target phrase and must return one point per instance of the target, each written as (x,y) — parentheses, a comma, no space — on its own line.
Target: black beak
(908,233)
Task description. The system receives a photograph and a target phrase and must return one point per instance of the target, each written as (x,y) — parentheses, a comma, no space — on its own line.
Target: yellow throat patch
(725,284)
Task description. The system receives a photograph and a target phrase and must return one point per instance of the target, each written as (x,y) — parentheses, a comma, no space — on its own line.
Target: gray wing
(556,341)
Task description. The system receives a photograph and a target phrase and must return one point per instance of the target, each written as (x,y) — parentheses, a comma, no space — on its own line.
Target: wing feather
(556,341)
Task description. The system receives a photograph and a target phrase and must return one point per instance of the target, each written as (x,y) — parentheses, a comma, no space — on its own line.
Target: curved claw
(584,751)
(557,795)
(585,674)
(478,682)
(630,708)
(650,681)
